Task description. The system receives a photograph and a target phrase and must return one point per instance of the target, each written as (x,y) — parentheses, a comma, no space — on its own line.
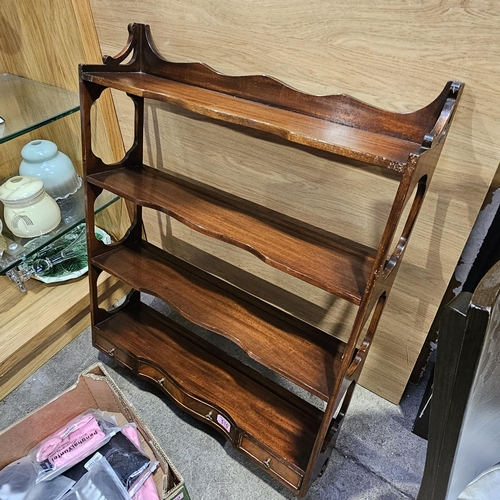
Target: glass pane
(72,214)
(26,105)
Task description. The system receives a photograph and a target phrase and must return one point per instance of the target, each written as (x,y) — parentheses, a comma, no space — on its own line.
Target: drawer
(218,419)
(114,352)
(156,376)
(200,409)
(287,472)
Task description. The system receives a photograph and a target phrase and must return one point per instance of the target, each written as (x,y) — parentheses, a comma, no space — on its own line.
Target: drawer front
(216,418)
(114,352)
(199,408)
(271,463)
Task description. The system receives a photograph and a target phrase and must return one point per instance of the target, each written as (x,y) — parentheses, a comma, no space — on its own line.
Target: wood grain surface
(261,331)
(44,41)
(396,56)
(37,324)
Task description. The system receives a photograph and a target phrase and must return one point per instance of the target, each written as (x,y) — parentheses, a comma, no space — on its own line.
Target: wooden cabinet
(285,434)
(42,43)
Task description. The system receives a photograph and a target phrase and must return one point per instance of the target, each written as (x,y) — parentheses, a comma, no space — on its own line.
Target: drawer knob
(267,463)
(208,416)
(111,352)
(161,381)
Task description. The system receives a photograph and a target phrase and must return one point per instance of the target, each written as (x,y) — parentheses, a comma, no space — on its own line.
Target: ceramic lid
(39,150)
(20,187)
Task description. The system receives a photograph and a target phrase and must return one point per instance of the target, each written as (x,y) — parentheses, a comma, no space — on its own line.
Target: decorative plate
(72,267)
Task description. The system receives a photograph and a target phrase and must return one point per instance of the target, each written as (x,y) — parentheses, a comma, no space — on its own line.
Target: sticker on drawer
(223,422)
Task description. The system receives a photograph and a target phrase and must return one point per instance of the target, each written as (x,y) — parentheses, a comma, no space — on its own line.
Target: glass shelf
(26,105)
(72,214)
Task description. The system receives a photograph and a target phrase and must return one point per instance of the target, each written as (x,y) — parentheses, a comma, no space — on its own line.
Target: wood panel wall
(394,54)
(45,40)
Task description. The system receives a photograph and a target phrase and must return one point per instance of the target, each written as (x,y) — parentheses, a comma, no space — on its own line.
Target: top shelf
(26,105)
(338,138)
(339,124)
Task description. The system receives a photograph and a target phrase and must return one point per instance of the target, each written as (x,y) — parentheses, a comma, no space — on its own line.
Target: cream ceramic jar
(28,210)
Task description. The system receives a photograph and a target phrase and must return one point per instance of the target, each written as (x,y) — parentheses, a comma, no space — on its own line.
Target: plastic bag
(147,490)
(99,483)
(18,481)
(129,463)
(78,439)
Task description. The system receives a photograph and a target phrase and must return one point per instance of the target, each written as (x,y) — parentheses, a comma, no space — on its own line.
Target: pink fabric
(70,444)
(148,490)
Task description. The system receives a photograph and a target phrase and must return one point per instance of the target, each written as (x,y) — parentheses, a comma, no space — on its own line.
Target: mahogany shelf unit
(285,434)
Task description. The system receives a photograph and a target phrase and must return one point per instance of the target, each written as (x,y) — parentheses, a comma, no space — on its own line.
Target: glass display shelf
(72,214)
(26,105)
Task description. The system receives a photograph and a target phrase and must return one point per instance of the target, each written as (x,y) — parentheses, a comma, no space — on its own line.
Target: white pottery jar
(28,210)
(42,159)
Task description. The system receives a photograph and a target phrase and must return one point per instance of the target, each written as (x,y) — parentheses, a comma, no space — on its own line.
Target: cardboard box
(94,389)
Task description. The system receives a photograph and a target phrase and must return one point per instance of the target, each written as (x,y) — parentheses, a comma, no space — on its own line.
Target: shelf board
(266,334)
(338,266)
(338,138)
(26,105)
(205,373)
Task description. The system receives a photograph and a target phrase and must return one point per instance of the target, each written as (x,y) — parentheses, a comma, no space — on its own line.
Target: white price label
(224,423)
(90,463)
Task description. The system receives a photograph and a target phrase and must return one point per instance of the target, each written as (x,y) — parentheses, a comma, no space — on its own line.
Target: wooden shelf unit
(287,436)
